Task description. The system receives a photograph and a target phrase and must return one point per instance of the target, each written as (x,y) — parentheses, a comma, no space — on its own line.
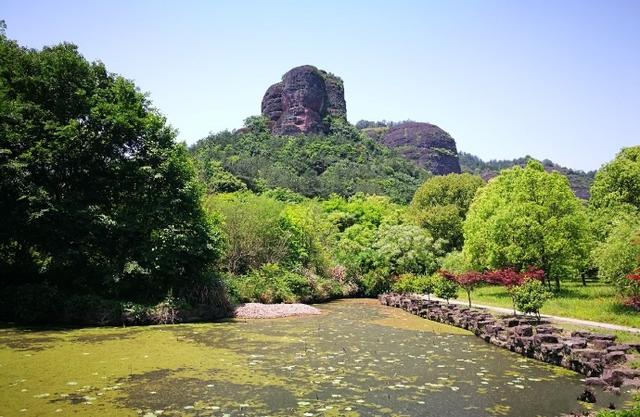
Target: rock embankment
(597,356)
(271,311)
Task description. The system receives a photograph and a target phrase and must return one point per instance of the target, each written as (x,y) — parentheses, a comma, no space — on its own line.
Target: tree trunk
(469,295)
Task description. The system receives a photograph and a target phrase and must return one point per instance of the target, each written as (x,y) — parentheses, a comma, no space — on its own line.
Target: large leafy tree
(97,196)
(618,182)
(615,195)
(527,217)
(440,205)
(617,256)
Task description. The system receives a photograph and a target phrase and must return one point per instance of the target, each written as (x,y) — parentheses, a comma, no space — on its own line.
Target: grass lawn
(596,302)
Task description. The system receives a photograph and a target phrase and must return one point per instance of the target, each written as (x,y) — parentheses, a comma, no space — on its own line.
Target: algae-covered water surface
(356,359)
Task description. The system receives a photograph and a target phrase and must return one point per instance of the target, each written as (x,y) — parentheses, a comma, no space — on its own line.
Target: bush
(39,304)
(32,303)
(404,284)
(444,288)
(375,282)
(253,232)
(272,283)
(417,284)
(92,310)
(530,296)
(456,262)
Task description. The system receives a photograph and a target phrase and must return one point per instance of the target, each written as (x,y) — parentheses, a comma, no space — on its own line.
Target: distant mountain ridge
(303,142)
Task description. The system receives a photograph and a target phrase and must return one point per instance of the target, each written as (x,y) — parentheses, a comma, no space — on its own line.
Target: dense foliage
(530,296)
(440,205)
(104,219)
(618,182)
(344,162)
(528,217)
(580,181)
(376,244)
(97,196)
(617,256)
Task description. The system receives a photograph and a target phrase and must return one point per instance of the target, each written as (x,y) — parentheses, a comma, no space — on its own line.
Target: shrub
(272,283)
(444,288)
(512,279)
(404,284)
(168,311)
(32,303)
(92,310)
(376,282)
(456,261)
(410,283)
(530,296)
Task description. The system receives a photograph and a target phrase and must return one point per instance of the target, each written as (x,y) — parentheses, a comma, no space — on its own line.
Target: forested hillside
(343,162)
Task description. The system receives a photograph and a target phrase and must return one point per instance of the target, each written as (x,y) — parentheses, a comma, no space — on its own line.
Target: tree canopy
(618,182)
(440,205)
(343,162)
(526,217)
(97,196)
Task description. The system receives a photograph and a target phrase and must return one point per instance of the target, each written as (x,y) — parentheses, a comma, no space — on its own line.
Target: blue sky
(552,79)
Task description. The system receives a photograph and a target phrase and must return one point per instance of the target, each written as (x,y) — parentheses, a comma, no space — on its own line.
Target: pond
(356,359)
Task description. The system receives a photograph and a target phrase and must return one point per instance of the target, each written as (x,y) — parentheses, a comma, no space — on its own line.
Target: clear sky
(552,79)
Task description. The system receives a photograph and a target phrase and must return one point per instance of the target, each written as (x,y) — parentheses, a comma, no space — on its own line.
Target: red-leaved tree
(466,280)
(509,278)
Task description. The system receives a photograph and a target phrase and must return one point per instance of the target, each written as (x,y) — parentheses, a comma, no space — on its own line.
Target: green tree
(527,217)
(253,231)
(444,288)
(530,296)
(618,182)
(617,256)
(456,262)
(406,248)
(219,180)
(97,196)
(440,205)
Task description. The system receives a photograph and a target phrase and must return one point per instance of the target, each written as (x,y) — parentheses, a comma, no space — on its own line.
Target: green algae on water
(356,359)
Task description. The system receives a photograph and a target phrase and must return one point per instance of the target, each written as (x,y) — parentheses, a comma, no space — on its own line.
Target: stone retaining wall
(597,356)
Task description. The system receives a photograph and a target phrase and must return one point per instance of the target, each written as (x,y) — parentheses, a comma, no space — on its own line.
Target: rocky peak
(427,145)
(301,102)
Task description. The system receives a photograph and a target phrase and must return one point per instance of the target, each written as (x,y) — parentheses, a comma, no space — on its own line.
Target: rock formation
(303,100)
(597,356)
(425,144)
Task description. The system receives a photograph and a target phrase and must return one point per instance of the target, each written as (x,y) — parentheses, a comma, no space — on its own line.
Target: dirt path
(558,319)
